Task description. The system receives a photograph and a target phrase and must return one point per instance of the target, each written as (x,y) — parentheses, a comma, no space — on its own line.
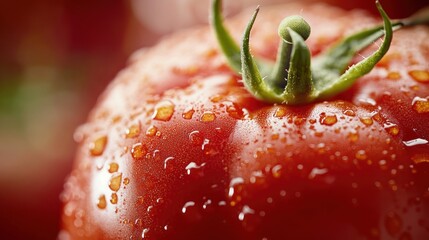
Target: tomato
(177,148)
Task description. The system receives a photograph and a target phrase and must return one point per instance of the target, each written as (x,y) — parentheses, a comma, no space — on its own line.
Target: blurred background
(56,57)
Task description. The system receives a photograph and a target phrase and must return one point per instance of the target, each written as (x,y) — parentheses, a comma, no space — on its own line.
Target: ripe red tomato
(177,149)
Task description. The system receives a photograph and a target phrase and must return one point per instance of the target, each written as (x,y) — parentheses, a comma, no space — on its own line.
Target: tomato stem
(296,79)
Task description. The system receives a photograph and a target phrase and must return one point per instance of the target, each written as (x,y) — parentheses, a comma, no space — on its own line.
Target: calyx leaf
(295,78)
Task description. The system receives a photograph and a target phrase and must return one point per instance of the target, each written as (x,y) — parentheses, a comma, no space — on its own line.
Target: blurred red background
(56,58)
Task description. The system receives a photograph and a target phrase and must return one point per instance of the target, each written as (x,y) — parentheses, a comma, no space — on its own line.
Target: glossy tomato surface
(177,148)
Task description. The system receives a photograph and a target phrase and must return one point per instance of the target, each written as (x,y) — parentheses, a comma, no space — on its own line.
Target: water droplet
(393,223)
(316,172)
(367,121)
(133,131)
(361,155)
(101,203)
(276,171)
(353,136)
(257,177)
(420,105)
(140,200)
(393,75)
(420,75)
(349,113)
(391,128)
(208,116)
(187,205)
(151,131)
(96,148)
(138,151)
(193,165)
(113,167)
(368,101)
(234,111)
(415,142)
(114,198)
(196,138)
(235,182)
(115,182)
(298,120)
(138,222)
(328,120)
(126,181)
(209,148)
(164,111)
(188,113)
(245,211)
(280,112)
(420,158)
(207,203)
(145,232)
(168,162)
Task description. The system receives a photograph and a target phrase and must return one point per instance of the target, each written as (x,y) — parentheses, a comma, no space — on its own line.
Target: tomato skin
(177,148)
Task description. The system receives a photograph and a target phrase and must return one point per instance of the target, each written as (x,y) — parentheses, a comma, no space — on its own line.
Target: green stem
(293,78)
(279,76)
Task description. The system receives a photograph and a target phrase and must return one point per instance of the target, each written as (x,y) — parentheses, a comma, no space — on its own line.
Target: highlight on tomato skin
(178,148)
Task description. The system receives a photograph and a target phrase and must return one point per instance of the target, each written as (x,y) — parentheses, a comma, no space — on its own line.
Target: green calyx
(295,78)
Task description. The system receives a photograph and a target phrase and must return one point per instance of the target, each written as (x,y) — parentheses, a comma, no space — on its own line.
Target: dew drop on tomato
(207,203)
(114,198)
(246,210)
(145,233)
(391,128)
(115,182)
(234,111)
(420,105)
(138,151)
(420,75)
(257,177)
(393,75)
(317,172)
(361,155)
(113,167)
(420,158)
(353,137)
(415,142)
(133,131)
(188,113)
(126,181)
(277,171)
(151,131)
(196,138)
(349,113)
(101,203)
(280,112)
(208,116)
(367,121)
(234,185)
(168,162)
(138,222)
(208,148)
(187,206)
(328,120)
(164,111)
(193,167)
(96,148)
